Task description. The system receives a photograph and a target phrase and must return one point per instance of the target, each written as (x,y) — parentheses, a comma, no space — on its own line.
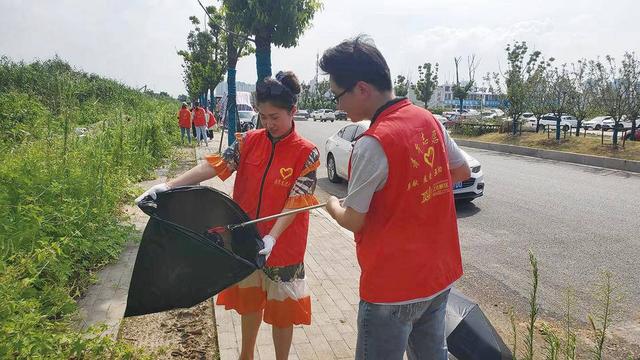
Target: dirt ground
(175,334)
(496,301)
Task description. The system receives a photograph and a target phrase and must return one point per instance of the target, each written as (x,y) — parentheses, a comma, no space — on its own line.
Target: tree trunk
(578,128)
(514,126)
(231,107)
(263,54)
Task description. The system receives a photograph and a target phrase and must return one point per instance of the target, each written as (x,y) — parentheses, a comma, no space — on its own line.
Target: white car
(566,121)
(595,123)
(530,118)
(338,149)
(610,123)
(324,115)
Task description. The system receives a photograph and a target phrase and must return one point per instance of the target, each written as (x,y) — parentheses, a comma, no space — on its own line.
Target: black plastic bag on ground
(470,335)
(179,263)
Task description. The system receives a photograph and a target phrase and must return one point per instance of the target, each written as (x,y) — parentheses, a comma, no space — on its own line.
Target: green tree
(537,101)
(523,70)
(401,86)
(278,22)
(314,98)
(427,82)
(631,82)
(582,103)
(204,61)
(611,90)
(561,93)
(461,92)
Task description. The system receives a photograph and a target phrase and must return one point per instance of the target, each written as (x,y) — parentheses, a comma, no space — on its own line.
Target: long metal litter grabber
(219,229)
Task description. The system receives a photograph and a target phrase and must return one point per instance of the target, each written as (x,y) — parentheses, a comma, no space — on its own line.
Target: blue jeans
(201,134)
(185,131)
(386,331)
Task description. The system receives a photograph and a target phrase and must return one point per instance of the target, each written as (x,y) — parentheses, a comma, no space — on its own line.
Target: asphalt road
(579,221)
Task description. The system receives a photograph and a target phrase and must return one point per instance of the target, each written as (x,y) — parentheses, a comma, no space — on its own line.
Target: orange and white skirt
(281,291)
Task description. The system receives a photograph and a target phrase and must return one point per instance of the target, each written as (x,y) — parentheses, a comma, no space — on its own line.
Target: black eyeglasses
(337,97)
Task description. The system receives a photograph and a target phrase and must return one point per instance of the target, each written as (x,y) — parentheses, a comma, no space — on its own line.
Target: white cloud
(136,41)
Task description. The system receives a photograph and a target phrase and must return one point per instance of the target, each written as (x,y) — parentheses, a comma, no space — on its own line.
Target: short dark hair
(355,60)
(281,91)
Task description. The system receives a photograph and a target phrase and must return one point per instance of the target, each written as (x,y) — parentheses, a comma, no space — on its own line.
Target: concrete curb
(590,160)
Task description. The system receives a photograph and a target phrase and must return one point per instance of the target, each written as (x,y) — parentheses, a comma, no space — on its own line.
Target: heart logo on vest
(286,173)
(429,155)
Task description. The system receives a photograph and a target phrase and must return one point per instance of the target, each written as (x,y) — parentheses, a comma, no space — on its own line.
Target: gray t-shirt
(369,169)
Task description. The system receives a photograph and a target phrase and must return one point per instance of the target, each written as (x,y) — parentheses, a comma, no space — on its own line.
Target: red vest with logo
(212,119)
(199,118)
(264,179)
(408,247)
(184,117)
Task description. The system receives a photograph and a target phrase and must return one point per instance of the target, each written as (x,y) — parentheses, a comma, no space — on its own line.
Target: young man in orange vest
(400,207)
(184,121)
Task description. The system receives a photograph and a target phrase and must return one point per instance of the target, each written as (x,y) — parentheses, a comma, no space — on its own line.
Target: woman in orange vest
(211,122)
(184,121)
(275,172)
(200,122)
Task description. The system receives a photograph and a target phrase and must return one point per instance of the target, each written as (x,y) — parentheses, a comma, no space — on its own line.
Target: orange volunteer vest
(408,247)
(199,118)
(184,117)
(264,179)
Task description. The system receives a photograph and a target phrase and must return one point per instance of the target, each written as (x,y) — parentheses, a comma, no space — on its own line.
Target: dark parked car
(341,115)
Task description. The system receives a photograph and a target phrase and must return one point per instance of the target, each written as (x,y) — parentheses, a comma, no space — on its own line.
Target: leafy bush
(60,195)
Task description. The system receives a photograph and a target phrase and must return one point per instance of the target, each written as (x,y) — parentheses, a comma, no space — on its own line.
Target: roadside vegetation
(71,146)
(589,145)
(542,340)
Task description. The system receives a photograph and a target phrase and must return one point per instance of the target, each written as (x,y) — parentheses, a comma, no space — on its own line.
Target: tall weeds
(60,195)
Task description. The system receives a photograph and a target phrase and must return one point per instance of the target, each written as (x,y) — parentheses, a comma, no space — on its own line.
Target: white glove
(269,242)
(153,192)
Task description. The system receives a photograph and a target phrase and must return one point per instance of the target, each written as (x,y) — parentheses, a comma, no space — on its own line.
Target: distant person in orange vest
(184,121)
(400,207)
(276,172)
(211,123)
(200,122)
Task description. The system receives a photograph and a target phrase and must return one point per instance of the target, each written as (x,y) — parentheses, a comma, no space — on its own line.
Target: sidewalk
(332,274)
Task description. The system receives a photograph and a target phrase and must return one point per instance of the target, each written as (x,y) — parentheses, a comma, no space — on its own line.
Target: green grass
(590,145)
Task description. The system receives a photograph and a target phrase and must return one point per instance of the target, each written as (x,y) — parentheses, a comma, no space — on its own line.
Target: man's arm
(346,217)
(369,171)
(458,166)
(460,173)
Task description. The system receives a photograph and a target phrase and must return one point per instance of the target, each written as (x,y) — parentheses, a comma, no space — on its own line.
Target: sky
(136,41)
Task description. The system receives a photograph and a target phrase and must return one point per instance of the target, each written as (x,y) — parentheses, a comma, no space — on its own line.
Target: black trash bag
(179,262)
(470,335)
